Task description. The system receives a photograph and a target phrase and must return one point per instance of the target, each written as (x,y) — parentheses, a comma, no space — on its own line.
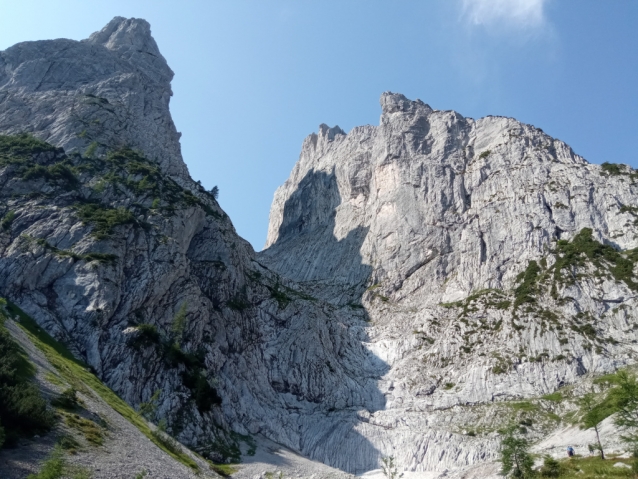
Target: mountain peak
(394,102)
(122,33)
(131,38)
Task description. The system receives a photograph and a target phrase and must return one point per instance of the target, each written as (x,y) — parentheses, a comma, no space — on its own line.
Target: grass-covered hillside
(63,404)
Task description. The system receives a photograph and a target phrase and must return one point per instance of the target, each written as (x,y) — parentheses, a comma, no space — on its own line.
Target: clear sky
(253,78)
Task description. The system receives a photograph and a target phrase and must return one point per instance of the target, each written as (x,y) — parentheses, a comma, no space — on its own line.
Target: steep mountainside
(492,261)
(419,276)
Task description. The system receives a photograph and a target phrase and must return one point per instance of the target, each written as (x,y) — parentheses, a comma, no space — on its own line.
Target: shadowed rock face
(384,317)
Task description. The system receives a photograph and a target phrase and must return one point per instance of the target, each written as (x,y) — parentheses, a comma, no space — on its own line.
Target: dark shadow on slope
(332,269)
(307,250)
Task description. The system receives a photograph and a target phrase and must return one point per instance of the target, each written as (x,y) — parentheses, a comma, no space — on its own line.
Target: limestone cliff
(492,261)
(418,275)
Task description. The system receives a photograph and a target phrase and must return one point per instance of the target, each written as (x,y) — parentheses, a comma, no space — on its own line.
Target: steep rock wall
(448,212)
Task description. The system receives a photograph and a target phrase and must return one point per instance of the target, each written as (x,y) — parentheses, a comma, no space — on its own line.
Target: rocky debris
(425,280)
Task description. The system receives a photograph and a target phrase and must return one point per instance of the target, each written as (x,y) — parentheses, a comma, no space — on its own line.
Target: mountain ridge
(396,306)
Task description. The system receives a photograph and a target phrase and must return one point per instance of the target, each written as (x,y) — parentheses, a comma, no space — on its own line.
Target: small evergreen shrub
(67,400)
(23,410)
(7,219)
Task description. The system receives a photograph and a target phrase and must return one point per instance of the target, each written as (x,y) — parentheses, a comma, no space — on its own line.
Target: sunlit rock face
(384,317)
(429,218)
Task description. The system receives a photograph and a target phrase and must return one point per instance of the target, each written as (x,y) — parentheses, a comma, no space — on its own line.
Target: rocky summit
(424,282)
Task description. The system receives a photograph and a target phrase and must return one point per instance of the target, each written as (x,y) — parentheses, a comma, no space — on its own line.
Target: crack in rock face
(421,278)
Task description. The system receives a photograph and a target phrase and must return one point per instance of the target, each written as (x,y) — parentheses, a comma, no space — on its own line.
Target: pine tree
(389,468)
(594,412)
(515,457)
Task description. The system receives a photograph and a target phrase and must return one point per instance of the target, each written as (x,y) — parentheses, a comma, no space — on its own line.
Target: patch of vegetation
(7,219)
(515,456)
(633,210)
(142,474)
(526,291)
(612,169)
(485,154)
(64,253)
(448,386)
(526,406)
(57,467)
(23,410)
(279,295)
(104,220)
(505,304)
(592,468)
(147,335)
(57,172)
(238,303)
(488,298)
(585,329)
(89,429)
(204,394)
(572,254)
(131,170)
(67,400)
(53,467)
(21,151)
(194,367)
(22,146)
(224,470)
(554,397)
(179,323)
(69,444)
(91,150)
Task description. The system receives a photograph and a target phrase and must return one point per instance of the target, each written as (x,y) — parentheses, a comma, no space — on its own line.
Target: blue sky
(253,78)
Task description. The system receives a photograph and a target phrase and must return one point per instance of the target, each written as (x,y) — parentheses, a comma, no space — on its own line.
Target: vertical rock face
(418,274)
(459,237)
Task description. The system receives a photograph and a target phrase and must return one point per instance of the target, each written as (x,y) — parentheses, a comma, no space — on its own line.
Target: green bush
(91,431)
(56,172)
(7,219)
(103,220)
(67,400)
(147,335)
(612,169)
(550,468)
(23,146)
(91,149)
(23,410)
(204,394)
(53,467)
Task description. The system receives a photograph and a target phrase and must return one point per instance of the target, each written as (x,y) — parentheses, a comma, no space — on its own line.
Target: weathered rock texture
(436,215)
(385,316)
